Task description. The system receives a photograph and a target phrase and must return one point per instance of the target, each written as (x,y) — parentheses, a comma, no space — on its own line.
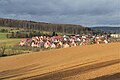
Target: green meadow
(8,41)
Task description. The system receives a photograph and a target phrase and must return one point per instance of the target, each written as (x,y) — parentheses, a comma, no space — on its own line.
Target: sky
(83,12)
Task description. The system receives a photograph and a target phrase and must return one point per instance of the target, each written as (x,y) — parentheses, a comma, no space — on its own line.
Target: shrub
(2,50)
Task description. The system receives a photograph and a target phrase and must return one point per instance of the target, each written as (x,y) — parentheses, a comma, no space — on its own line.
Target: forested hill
(41,26)
(108,29)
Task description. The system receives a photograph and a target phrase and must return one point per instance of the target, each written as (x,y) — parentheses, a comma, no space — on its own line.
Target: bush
(2,50)
(35,49)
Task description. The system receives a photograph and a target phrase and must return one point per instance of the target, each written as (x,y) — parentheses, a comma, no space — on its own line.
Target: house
(115,35)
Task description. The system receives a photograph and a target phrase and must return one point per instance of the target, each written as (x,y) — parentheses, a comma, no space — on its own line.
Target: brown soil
(94,62)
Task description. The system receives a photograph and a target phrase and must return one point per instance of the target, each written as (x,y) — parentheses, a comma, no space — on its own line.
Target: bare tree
(2,50)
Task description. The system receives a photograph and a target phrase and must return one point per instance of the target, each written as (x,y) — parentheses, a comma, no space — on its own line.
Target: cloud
(86,12)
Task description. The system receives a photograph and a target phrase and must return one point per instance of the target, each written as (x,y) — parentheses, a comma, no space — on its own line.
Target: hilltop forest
(42,26)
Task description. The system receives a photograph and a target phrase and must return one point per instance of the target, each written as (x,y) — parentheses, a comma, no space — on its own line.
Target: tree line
(42,26)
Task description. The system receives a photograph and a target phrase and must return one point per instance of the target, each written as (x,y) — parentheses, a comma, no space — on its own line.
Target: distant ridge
(107,29)
(42,26)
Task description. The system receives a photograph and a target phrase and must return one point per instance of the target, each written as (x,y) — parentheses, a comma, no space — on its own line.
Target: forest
(42,26)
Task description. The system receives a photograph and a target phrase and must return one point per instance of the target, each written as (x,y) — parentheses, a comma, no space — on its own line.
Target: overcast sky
(85,12)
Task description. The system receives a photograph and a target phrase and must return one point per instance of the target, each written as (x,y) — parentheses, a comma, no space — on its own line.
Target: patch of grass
(10,29)
(3,36)
(5,28)
(10,42)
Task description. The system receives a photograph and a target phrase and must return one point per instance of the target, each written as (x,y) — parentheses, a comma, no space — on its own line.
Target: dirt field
(93,62)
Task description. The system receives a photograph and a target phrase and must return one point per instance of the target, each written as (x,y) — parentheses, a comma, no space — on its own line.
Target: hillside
(42,26)
(108,29)
(93,62)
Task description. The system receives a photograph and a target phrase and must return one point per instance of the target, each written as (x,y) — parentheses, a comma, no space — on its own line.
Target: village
(63,41)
